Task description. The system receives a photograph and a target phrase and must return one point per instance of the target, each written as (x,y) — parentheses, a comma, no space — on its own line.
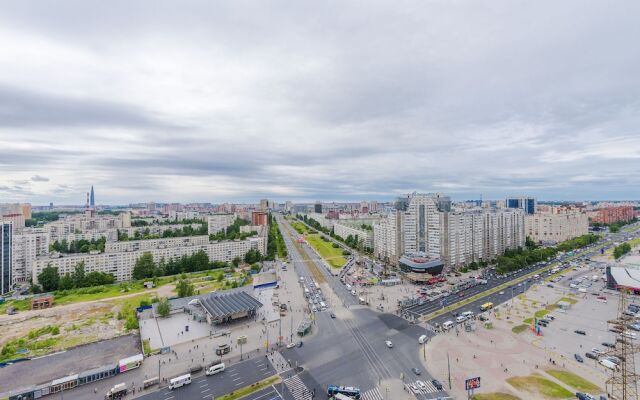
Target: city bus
(486,306)
(351,392)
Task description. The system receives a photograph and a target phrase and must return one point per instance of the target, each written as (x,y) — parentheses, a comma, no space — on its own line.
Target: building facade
(611,215)
(527,204)
(6,258)
(422,225)
(387,238)
(259,218)
(120,264)
(344,230)
(27,247)
(220,222)
(556,225)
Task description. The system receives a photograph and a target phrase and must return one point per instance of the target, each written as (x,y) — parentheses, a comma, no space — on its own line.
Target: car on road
(291,345)
(501,293)
(437,384)
(333,315)
(416,371)
(300,344)
(591,355)
(584,396)
(550,285)
(421,385)
(580,332)
(578,358)
(389,343)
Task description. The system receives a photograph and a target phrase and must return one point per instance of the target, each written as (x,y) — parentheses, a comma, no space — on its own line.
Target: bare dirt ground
(79,322)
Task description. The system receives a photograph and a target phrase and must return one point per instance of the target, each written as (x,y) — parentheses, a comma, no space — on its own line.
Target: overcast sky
(304,100)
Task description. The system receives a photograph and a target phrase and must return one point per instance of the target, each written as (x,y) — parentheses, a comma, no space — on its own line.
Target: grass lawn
(299,227)
(494,396)
(329,253)
(247,390)
(541,313)
(540,386)
(528,321)
(573,380)
(519,328)
(568,300)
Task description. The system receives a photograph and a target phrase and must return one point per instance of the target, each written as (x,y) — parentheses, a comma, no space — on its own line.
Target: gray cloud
(38,178)
(231,101)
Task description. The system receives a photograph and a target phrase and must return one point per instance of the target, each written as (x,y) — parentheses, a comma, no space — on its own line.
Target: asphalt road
(233,378)
(352,351)
(509,292)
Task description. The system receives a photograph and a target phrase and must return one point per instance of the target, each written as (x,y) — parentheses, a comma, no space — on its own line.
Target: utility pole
(279,331)
(449,370)
(623,380)
(291,333)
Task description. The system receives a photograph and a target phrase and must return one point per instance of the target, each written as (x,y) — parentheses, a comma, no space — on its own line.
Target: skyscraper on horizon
(92,200)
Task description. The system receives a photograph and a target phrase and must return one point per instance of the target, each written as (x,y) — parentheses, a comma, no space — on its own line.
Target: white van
(422,339)
(608,363)
(467,314)
(214,369)
(447,325)
(180,381)
(461,318)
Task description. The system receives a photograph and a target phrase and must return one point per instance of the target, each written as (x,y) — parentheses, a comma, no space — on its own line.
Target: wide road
(234,377)
(513,290)
(350,350)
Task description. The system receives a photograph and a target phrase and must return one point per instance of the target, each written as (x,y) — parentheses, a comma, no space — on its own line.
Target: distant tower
(92,201)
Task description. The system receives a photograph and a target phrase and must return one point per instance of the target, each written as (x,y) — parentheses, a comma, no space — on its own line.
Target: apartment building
(610,215)
(148,244)
(120,264)
(556,224)
(220,222)
(87,224)
(27,247)
(259,218)
(422,224)
(387,238)
(344,229)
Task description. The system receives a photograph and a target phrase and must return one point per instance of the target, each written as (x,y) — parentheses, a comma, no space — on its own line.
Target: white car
(501,293)
(291,345)
(388,343)
(422,385)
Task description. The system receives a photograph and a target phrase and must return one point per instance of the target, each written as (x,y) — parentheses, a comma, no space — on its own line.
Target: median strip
(247,390)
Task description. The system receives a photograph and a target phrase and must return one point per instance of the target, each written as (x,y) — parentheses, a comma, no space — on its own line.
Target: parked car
(590,355)
(584,396)
(578,358)
(609,345)
(580,332)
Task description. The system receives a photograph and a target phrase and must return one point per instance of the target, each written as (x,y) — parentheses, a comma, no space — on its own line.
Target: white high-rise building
(27,246)
(387,238)
(422,225)
(219,222)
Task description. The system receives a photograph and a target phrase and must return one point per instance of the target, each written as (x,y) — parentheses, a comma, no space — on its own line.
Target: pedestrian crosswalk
(279,363)
(422,387)
(297,388)
(373,394)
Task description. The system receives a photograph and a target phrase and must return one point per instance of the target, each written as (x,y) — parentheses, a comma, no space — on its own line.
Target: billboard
(472,383)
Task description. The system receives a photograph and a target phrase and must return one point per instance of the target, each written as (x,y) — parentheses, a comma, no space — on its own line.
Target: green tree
(49,278)
(145,267)
(184,288)
(236,261)
(79,275)
(66,282)
(163,307)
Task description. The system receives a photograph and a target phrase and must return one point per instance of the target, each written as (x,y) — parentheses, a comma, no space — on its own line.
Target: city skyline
(215,102)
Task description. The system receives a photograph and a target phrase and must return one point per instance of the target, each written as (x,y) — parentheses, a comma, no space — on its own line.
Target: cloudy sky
(337,100)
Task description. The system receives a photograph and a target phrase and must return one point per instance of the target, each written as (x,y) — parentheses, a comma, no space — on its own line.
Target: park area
(327,250)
